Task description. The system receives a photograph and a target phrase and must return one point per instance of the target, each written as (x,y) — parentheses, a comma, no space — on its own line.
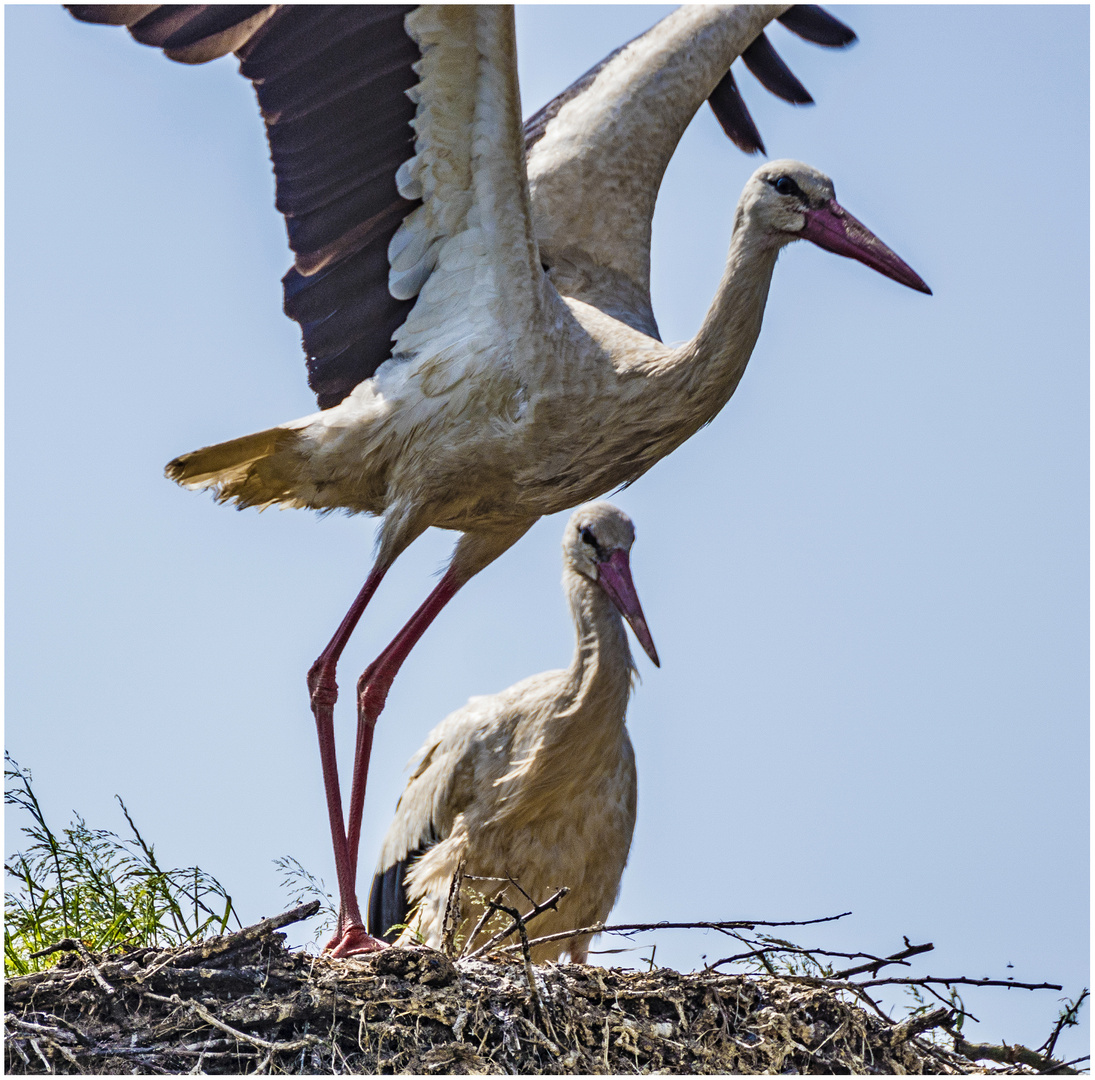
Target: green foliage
(90,884)
(302,885)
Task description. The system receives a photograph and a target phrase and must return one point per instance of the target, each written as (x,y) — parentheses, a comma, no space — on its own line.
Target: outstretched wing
(597,152)
(337,89)
(331,82)
(395,136)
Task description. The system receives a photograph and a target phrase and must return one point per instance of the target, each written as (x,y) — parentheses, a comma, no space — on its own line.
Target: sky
(867,578)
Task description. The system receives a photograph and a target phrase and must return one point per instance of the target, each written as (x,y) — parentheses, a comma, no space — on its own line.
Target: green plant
(92,885)
(302,885)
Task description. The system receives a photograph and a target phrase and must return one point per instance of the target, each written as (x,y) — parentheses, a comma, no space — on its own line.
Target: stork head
(792,201)
(597,545)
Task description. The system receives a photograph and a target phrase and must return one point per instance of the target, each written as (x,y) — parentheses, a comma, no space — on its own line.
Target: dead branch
(1009,1055)
(741,924)
(917,1025)
(1066,1019)
(795,950)
(214,1021)
(216,946)
(488,911)
(452,910)
(925,981)
(522,920)
(896,958)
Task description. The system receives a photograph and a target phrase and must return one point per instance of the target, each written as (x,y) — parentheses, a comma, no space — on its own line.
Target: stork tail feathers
(255,470)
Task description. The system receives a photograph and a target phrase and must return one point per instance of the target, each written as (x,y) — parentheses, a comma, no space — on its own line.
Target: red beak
(834,229)
(614,576)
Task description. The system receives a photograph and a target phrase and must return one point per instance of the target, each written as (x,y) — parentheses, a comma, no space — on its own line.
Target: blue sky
(867,579)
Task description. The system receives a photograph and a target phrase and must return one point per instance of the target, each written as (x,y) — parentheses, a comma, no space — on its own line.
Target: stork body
(535,785)
(479,331)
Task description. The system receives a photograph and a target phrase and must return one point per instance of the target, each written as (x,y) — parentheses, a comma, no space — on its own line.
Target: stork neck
(706,370)
(599,676)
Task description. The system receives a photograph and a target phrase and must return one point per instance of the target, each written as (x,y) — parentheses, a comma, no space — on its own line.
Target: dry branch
(1009,1055)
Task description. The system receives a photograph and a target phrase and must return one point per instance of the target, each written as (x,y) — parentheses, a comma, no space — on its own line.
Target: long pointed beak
(614,576)
(834,229)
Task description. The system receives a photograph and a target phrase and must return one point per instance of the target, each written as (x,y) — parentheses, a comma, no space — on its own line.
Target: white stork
(533,787)
(479,332)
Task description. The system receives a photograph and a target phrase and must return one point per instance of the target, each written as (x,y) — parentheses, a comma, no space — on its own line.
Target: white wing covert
(468,252)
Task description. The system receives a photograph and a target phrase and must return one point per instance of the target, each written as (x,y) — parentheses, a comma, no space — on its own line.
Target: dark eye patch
(786,186)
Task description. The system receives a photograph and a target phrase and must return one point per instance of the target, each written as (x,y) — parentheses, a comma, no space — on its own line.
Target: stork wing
(339,87)
(597,153)
(441,787)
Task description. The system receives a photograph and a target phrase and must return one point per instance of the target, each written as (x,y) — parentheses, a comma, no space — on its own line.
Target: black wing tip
(388,904)
(729,108)
(814,24)
(772,73)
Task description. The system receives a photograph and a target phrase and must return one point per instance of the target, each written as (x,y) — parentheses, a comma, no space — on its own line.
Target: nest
(245,1003)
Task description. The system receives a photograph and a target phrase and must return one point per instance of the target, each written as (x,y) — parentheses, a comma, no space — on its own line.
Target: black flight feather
(388,905)
(727,104)
(815,24)
(773,74)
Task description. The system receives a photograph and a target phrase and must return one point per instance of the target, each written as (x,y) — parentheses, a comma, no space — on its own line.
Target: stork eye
(786,186)
(588,538)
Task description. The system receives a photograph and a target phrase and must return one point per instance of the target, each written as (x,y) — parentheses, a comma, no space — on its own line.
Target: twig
(1008,1055)
(488,911)
(519,922)
(1066,1019)
(38,1051)
(209,1018)
(741,924)
(636,928)
(840,984)
(89,961)
(965,982)
(959,1010)
(64,945)
(1075,1061)
(862,995)
(452,910)
(538,909)
(916,1025)
(896,958)
(39,1029)
(876,961)
(520,888)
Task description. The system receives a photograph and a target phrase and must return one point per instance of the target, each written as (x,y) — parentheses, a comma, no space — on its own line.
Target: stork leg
(372,692)
(474,552)
(324,692)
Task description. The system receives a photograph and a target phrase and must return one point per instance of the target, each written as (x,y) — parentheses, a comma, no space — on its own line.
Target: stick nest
(245,1003)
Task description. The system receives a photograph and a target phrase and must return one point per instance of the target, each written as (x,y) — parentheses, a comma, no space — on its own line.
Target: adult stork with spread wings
(478,326)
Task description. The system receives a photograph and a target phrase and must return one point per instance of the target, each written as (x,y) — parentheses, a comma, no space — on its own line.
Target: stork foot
(354,940)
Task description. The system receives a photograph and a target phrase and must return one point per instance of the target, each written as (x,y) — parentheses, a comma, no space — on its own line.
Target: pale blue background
(867,579)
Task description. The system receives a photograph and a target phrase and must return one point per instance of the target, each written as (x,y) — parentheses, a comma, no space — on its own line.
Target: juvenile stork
(535,785)
(479,330)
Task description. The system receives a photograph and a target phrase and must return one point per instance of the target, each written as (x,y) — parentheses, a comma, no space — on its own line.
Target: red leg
(372,689)
(323,691)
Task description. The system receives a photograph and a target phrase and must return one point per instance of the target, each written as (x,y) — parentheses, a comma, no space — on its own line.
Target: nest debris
(245,1003)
